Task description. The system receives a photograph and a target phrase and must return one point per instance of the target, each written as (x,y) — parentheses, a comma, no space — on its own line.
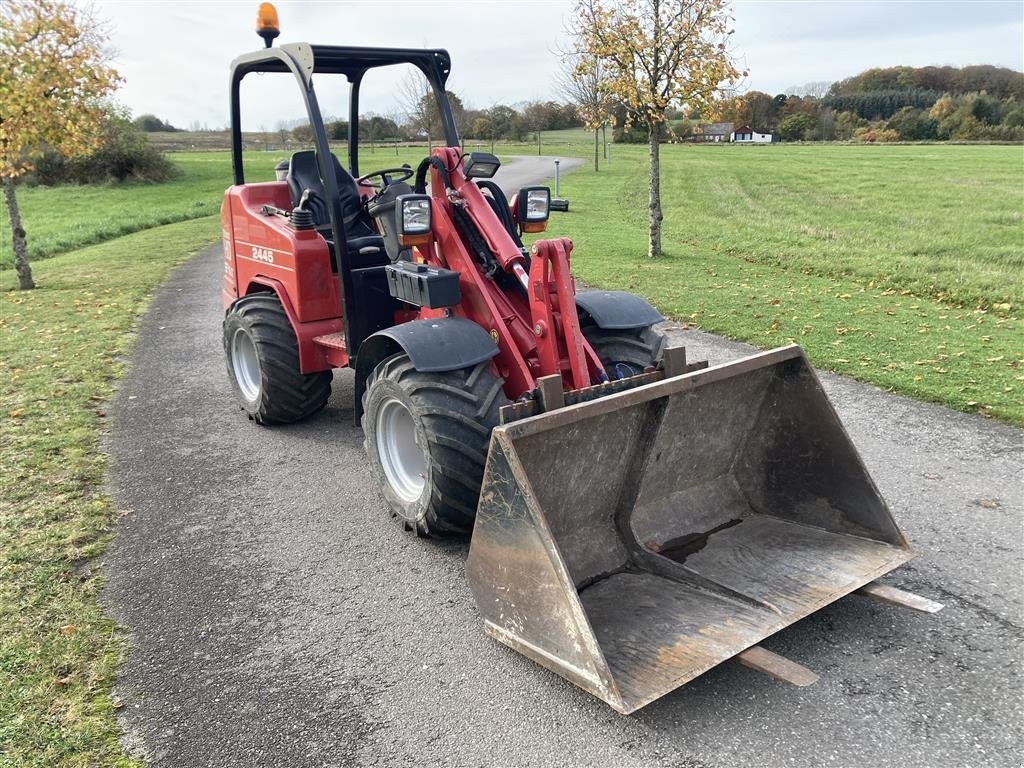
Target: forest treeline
(976,103)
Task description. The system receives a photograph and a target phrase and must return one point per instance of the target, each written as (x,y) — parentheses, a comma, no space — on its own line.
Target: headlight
(415,212)
(413,220)
(533,205)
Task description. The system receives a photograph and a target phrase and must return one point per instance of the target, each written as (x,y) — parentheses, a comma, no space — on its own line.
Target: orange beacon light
(267,25)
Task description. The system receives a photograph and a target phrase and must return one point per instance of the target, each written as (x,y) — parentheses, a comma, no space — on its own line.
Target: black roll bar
(303,61)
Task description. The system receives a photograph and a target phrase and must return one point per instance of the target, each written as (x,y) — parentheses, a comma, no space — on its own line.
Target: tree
(914,125)
(54,73)
(535,118)
(582,82)
(504,121)
(847,124)
(420,105)
(303,134)
(658,53)
(795,127)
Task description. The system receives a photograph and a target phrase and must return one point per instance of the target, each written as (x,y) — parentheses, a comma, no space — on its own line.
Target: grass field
(900,265)
(64,344)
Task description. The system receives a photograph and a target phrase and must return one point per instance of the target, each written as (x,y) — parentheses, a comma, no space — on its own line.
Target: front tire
(263,363)
(426,436)
(626,352)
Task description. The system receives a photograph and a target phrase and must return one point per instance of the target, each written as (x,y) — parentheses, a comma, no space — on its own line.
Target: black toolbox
(423,286)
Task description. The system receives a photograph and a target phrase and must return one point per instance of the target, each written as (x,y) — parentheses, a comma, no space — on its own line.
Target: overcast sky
(174,56)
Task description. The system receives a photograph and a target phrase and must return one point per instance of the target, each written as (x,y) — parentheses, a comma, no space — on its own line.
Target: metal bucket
(633,542)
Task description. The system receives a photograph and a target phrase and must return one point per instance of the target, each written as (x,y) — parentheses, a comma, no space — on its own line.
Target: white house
(746,135)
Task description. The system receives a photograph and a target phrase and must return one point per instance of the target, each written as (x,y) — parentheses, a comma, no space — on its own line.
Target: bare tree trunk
(597,149)
(604,139)
(25,281)
(538,142)
(654,189)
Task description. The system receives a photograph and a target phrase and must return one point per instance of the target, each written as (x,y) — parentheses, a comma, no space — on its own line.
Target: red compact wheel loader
(635,519)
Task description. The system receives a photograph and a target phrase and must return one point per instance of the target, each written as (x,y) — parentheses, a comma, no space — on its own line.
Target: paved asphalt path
(280,617)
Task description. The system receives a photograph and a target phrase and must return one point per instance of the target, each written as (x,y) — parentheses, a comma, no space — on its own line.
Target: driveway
(279,617)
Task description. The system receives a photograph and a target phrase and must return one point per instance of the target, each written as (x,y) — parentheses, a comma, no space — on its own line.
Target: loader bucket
(633,542)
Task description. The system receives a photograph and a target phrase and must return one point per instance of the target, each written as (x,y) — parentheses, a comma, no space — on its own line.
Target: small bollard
(557,203)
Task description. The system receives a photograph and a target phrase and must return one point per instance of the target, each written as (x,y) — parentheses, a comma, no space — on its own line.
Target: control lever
(270,210)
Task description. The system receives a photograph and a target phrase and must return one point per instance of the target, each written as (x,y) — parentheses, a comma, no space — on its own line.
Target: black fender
(615,310)
(443,344)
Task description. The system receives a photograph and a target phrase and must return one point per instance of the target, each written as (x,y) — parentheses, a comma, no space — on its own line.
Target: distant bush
(876,135)
(680,130)
(153,124)
(914,125)
(125,154)
(630,134)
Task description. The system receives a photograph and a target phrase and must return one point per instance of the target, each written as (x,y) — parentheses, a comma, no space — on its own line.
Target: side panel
(266,247)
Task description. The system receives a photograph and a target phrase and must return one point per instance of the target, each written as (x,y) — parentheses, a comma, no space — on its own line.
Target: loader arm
(527,305)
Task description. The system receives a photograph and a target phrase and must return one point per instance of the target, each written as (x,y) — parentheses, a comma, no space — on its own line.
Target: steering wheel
(400,174)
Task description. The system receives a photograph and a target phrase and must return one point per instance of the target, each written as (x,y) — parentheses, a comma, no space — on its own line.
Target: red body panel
(264,252)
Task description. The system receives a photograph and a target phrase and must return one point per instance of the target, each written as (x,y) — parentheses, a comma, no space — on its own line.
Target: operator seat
(366,247)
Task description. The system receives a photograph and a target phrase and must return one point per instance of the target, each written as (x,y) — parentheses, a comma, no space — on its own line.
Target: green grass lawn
(898,265)
(63,345)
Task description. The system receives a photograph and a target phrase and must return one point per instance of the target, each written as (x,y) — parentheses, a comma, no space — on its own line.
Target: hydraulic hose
(421,173)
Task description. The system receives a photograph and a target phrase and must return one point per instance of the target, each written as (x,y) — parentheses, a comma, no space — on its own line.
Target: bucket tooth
(632,542)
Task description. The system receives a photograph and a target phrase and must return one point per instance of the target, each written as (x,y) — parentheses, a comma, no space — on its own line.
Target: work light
(533,205)
(413,219)
(480,165)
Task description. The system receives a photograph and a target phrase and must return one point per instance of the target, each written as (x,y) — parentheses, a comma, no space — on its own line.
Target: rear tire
(426,436)
(626,352)
(263,363)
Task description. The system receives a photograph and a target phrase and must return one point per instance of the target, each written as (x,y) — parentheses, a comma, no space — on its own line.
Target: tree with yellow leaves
(659,53)
(54,73)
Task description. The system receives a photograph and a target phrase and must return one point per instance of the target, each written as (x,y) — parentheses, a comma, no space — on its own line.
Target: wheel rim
(245,364)
(620,369)
(400,453)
